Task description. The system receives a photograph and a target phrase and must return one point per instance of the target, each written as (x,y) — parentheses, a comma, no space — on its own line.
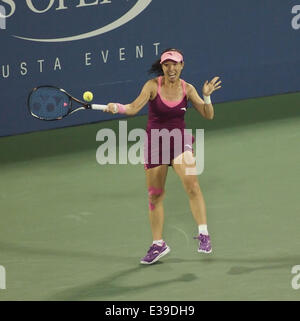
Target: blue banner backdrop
(107,47)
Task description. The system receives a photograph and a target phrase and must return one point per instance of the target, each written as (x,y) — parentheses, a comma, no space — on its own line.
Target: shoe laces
(202,238)
(152,248)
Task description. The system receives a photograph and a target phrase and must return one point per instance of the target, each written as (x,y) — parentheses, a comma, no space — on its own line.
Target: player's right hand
(112,108)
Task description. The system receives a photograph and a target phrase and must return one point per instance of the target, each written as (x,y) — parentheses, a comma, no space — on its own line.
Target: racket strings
(49,103)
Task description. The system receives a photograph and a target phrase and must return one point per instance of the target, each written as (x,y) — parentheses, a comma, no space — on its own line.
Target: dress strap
(183,83)
(159,84)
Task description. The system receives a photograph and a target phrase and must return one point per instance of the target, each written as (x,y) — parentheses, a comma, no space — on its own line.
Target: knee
(193,189)
(156,196)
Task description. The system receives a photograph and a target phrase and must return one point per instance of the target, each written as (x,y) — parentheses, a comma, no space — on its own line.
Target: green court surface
(72,229)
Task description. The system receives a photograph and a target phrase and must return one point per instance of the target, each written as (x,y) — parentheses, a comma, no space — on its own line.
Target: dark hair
(156,66)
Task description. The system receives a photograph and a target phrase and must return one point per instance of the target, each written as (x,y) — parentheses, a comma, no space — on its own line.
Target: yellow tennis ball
(88,96)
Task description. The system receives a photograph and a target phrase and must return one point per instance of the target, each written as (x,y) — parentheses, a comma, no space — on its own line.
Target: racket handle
(98,107)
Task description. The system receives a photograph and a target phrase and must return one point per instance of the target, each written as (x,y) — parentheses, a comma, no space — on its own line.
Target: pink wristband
(121,108)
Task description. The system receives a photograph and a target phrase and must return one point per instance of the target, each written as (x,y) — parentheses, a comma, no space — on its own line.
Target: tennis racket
(53,103)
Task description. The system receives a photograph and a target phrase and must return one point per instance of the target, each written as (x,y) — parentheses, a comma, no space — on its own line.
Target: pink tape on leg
(151,206)
(153,191)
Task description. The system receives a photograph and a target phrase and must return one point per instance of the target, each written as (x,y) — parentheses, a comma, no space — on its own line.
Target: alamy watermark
(295,283)
(155,146)
(2,278)
(296,18)
(2,18)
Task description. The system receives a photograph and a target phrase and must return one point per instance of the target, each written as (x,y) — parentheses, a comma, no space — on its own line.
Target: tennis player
(168,96)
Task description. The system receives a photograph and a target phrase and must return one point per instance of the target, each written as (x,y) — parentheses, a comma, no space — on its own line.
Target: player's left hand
(210,87)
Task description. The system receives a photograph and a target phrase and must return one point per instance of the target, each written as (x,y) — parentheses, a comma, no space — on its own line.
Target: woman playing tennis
(168,96)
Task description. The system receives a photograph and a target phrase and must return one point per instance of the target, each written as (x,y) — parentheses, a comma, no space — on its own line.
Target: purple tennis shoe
(204,243)
(155,253)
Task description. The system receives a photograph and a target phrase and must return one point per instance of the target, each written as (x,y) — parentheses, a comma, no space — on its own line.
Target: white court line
(182,232)
(294,135)
(86,213)
(76,218)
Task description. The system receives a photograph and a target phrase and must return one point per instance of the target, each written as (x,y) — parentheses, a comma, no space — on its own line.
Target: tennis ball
(88,96)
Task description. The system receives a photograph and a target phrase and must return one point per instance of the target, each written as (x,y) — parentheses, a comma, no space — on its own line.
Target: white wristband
(207,100)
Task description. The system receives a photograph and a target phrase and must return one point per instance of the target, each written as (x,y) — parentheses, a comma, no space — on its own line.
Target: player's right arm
(133,108)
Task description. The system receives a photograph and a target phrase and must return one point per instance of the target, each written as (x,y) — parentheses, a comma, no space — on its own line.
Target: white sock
(203,229)
(158,242)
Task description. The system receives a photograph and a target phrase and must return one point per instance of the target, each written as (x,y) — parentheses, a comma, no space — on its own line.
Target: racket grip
(98,107)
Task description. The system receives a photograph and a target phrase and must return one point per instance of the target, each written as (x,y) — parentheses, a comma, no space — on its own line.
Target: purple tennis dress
(166,137)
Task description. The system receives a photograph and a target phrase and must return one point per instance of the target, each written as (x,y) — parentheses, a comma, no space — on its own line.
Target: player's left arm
(204,107)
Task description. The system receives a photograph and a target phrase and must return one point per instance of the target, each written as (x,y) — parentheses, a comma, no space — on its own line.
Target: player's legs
(196,199)
(156,178)
(191,186)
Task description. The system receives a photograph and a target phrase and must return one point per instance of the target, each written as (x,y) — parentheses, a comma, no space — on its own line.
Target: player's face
(172,70)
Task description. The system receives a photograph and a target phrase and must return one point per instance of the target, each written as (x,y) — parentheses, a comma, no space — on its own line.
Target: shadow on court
(108,287)
(268,263)
(111,286)
(237,270)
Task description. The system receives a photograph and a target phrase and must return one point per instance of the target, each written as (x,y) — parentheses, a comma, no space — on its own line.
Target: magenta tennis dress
(164,117)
